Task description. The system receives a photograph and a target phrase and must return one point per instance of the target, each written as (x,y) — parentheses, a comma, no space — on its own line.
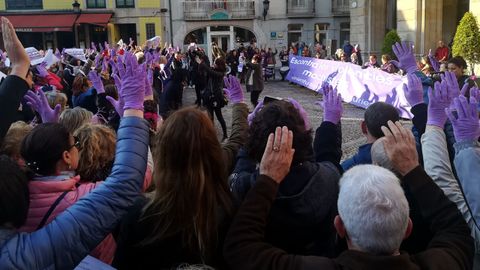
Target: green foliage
(390,38)
(467,39)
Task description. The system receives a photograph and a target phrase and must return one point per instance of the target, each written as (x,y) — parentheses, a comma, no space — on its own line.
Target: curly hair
(279,114)
(97,152)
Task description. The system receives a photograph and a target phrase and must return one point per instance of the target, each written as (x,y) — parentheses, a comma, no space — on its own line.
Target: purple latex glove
(107,46)
(2,56)
(120,67)
(40,104)
(414,90)
(474,92)
(156,57)
(148,58)
(93,47)
(251,115)
(465,126)
(113,53)
(96,81)
(406,59)
(98,57)
(332,107)
(452,84)
(113,65)
(101,47)
(149,83)
(117,104)
(104,65)
(132,93)
(42,70)
(131,42)
(233,89)
(438,101)
(302,112)
(433,61)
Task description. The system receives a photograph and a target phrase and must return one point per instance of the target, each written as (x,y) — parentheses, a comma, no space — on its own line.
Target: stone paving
(352,116)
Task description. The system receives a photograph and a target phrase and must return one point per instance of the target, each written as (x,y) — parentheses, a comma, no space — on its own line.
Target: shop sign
(23,29)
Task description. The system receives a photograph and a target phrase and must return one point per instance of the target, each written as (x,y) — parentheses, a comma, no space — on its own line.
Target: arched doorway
(226,37)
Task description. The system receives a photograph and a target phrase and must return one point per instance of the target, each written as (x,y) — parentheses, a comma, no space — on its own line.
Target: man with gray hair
(373,217)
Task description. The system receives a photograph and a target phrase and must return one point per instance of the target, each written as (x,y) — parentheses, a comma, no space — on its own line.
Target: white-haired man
(373,216)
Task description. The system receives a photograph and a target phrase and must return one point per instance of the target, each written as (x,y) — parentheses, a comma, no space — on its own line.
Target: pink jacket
(43,193)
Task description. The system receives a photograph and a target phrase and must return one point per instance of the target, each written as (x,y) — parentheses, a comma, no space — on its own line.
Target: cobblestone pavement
(352,116)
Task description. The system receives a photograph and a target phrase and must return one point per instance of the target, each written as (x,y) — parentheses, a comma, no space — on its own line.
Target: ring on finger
(276,148)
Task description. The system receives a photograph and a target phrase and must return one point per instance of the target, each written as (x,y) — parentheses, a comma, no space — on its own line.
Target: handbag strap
(50,211)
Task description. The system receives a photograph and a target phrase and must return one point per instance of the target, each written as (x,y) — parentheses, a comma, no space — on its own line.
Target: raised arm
(15,86)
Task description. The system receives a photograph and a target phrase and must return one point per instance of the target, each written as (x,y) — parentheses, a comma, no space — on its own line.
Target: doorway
(222,41)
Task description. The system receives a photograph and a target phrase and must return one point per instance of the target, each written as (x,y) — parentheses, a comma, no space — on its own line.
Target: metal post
(170,20)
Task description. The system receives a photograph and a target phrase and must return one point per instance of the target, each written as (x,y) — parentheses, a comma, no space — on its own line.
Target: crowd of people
(105,161)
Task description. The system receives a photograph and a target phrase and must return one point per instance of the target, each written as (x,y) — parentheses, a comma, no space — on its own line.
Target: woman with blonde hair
(73,119)
(185,219)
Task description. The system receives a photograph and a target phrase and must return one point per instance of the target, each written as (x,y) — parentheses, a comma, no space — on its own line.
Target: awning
(94,18)
(42,23)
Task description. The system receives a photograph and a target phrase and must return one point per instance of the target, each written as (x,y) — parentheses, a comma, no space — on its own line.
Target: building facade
(423,22)
(274,23)
(76,23)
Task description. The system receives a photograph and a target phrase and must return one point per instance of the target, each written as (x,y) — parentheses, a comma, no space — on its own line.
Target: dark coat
(256,70)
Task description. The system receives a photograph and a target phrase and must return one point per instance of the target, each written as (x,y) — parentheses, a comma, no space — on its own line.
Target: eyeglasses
(76,143)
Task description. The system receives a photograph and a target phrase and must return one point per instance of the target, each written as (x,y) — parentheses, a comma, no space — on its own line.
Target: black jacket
(12,90)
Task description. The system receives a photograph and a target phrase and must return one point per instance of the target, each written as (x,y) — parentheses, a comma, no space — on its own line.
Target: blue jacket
(363,156)
(64,242)
(86,100)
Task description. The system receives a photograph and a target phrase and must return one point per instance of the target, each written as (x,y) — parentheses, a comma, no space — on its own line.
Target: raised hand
(42,70)
(452,84)
(132,92)
(400,147)
(406,58)
(233,89)
(251,115)
(278,155)
(433,61)
(39,103)
(96,81)
(439,101)
(149,83)
(413,90)
(148,58)
(92,45)
(302,112)
(465,126)
(20,63)
(332,107)
(117,104)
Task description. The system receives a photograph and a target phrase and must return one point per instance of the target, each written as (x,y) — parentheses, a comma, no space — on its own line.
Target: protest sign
(155,41)
(77,53)
(120,43)
(360,87)
(50,58)
(34,55)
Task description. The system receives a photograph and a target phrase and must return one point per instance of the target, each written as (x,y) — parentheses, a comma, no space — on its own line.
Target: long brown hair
(191,183)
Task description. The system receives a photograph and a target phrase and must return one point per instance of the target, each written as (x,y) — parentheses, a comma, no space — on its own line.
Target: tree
(467,40)
(390,38)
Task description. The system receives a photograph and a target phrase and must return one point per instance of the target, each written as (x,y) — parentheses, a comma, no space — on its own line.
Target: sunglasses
(76,143)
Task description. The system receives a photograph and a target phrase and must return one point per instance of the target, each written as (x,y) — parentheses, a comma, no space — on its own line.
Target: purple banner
(360,87)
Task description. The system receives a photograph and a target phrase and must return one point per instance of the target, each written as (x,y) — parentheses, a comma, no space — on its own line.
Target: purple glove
(156,57)
(133,93)
(302,112)
(117,104)
(404,53)
(438,102)
(120,67)
(233,89)
(98,57)
(107,46)
(131,42)
(104,65)
(433,61)
(414,90)
(251,116)
(332,107)
(148,58)
(58,54)
(40,104)
(465,126)
(452,84)
(474,92)
(113,53)
(149,83)
(92,45)
(42,70)
(96,81)
(2,56)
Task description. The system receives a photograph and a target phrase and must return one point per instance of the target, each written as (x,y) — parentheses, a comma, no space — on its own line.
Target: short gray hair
(379,156)
(73,119)
(373,208)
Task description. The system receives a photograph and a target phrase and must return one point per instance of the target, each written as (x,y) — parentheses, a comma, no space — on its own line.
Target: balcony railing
(218,10)
(340,7)
(301,8)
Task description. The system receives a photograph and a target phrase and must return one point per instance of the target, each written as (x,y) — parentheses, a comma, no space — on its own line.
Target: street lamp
(266,6)
(76,6)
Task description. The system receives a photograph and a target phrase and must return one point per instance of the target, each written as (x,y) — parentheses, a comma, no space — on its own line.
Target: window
(295,33)
(125,3)
(299,3)
(150,27)
(96,4)
(24,4)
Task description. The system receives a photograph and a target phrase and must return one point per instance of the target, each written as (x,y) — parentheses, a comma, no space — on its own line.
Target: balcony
(340,7)
(218,10)
(301,8)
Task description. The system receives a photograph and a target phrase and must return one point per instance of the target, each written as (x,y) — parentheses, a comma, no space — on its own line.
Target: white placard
(77,53)
(34,55)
